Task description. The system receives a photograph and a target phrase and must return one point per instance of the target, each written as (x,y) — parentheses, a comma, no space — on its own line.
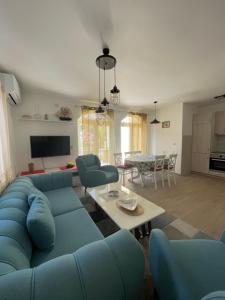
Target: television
(46,146)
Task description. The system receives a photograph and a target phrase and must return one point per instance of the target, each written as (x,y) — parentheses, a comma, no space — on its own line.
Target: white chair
(169,168)
(155,168)
(123,169)
(158,169)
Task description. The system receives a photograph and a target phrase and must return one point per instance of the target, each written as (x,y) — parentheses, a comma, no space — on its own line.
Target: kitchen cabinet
(219,123)
(201,140)
(200,162)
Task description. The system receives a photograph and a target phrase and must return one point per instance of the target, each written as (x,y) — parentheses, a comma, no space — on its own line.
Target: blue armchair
(92,173)
(187,269)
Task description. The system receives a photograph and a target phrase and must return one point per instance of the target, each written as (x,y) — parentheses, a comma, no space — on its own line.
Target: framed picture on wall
(166,124)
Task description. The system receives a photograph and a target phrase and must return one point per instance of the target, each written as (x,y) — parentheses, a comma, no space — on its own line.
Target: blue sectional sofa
(82,264)
(187,269)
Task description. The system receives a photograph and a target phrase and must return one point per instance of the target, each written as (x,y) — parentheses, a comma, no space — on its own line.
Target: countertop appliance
(217,161)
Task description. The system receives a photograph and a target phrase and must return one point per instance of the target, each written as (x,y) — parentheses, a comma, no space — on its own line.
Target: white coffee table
(122,219)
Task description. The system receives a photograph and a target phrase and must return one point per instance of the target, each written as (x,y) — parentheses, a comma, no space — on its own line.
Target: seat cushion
(110,176)
(63,200)
(202,263)
(40,223)
(73,230)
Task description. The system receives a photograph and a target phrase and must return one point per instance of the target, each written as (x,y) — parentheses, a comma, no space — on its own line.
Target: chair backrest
(172,161)
(118,159)
(87,162)
(131,153)
(159,162)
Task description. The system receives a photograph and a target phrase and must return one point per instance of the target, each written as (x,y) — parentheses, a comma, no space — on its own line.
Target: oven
(217,162)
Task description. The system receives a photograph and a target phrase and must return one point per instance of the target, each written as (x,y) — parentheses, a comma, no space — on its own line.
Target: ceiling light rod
(155,121)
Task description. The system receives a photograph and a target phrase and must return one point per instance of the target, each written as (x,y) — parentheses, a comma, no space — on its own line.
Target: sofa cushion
(14,214)
(12,194)
(40,223)
(15,203)
(37,192)
(73,230)
(63,200)
(12,254)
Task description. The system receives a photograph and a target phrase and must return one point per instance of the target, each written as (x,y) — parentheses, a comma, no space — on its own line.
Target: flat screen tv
(46,146)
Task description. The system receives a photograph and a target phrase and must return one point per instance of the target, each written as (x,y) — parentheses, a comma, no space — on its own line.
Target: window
(95,137)
(133,132)
(6,165)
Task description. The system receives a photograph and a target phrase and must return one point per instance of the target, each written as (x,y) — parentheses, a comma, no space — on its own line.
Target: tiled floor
(197,200)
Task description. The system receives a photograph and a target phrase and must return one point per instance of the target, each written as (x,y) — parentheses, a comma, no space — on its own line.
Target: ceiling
(167,50)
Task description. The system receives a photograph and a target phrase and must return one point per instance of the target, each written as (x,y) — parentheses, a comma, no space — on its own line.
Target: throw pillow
(40,223)
(35,192)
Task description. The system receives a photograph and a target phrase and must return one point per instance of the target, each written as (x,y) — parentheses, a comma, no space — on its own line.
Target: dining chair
(123,169)
(158,169)
(152,169)
(169,168)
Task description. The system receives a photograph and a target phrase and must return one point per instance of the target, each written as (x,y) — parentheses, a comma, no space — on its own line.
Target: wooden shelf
(49,121)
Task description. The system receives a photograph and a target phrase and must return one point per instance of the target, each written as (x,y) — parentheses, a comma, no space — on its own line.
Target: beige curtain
(137,123)
(7,170)
(97,137)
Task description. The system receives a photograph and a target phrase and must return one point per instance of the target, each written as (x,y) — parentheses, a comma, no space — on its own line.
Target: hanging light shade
(155,121)
(105,102)
(108,62)
(115,92)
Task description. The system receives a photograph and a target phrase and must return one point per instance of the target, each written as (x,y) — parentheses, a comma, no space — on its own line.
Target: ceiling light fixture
(155,121)
(115,92)
(107,62)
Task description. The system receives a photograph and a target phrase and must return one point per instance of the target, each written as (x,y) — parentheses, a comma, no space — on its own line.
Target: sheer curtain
(97,138)
(136,124)
(7,171)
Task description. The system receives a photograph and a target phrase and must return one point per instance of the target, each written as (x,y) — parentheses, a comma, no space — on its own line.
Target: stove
(218,155)
(217,161)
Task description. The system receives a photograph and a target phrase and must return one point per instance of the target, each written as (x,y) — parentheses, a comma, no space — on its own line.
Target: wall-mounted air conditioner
(11,88)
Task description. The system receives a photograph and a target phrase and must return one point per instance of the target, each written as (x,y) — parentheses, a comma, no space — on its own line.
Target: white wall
(43,103)
(47,103)
(168,140)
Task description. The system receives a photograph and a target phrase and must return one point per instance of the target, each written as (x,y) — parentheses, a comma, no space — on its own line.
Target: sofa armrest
(167,278)
(109,168)
(108,269)
(218,295)
(51,181)
(94,178)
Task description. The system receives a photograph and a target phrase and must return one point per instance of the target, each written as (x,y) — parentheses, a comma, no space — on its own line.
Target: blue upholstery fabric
(92,174)
(52,181)
(73,230)
(100,270)
(37,192)
(187,269)
(219,295)
(13,214)
(63,200)
(110,268)
(40,223)
(15,203)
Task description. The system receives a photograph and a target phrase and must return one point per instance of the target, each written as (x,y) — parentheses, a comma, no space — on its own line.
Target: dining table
(143,163)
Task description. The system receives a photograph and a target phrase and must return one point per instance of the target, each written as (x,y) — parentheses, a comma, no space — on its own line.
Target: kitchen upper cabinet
(219,123)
